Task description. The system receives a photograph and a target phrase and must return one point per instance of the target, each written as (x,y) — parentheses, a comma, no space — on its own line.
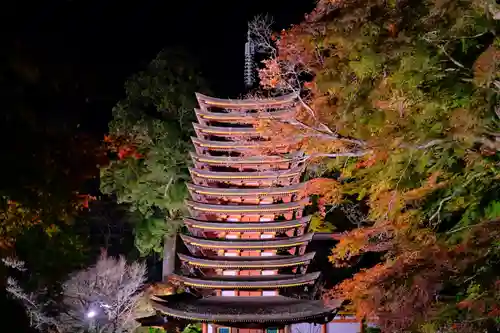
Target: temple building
(245,268)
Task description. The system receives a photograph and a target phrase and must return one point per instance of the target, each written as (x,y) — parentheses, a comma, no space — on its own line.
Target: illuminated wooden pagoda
(246,269)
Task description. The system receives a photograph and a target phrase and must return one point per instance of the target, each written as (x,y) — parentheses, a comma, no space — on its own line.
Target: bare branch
(111,288)
(105,297)
(335,155)
(15,263)
(260,29)
(35,310)
(437,214)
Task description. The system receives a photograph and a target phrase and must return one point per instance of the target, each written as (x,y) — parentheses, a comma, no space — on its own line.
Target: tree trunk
(168,256)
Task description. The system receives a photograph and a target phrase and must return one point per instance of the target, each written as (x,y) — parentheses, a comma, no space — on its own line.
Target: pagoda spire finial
(249,61)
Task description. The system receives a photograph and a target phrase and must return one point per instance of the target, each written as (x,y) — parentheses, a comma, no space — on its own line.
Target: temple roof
(229,131)
(239,311)
(247,282)
(241,192)
(246,175)
(224,160)
(242,104)
(250,226)
(239,244)
(238,145)
(247,209)
(238,117)
(248,262)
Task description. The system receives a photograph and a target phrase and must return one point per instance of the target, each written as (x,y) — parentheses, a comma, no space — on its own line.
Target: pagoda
(245,268)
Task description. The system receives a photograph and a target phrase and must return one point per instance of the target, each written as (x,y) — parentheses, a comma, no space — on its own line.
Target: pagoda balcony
(211,229)
(247,247)
(205,147)
(244,105)
(246,163)
(208,118)
(247,179)
(242,263)
(228,133)
(252,312)
(248,213)
(247,282)
(269,195)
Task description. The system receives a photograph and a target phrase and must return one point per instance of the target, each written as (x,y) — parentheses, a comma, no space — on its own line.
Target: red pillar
(324,328)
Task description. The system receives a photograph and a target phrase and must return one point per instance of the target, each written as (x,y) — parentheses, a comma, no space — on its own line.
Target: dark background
(63,65)
(90,47)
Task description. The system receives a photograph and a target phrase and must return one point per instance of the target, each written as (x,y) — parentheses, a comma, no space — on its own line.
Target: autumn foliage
(399,99)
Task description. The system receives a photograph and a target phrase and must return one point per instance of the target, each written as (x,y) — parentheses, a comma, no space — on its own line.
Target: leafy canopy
(149,139)
(403,97)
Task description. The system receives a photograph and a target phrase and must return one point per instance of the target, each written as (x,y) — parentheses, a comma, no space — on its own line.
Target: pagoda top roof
(273,102)
(250,226)
(247,209)
(239,192)
(247,282)
(248,262)
(215,130)
(228,161)
(273,243)
(242,311)
(247,175)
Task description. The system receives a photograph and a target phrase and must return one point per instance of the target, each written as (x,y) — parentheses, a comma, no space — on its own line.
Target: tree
(52,158)
(105,297)
(399,100)
(149,138)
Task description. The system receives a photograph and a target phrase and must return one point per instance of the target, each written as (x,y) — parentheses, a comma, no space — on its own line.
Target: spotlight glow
(91,314)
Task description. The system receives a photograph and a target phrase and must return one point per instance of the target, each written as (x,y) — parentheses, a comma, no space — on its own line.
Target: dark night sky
(97,44)
(68,61)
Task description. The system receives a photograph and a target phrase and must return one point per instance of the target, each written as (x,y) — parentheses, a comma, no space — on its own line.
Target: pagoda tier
(246,213)
(274,262)
(243,312)
(221,133)
(197,245)
(202,228)
(207,118)
(248,282)
(247,179)
(247,237)
(250,163)
(208,147)
(245,105)
(270,195)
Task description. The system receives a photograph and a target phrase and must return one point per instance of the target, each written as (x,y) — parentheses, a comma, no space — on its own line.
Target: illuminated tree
(399,99)
(52,159)
(104,298)
(149,138)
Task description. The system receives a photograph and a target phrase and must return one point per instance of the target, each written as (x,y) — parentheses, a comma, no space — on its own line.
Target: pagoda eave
(243,192)
(274,243)
(248,311)
(265,178)
(244,104)
(202,146)
(204,117)
(247,282)
(250,226)
(247,175)
(202,130)
(244,262)
(226,161)
(247,209)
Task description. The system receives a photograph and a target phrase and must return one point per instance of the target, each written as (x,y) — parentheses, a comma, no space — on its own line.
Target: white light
(91,314)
